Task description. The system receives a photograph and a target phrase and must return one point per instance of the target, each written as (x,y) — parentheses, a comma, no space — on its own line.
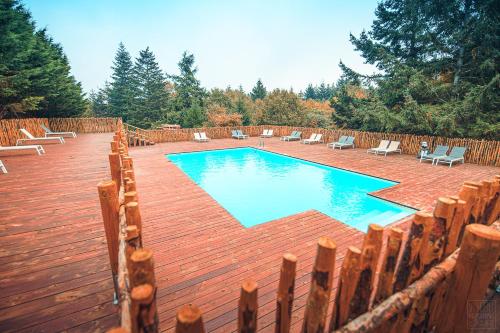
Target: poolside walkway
(54,273)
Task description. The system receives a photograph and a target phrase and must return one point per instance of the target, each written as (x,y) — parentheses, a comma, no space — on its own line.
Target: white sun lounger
(2,167)
(38,148)
(315,138)
(383,145)
(48,133)
(267,134)
(54,139)
(311,138)
(392,148)
(204,137)
(197,137)
(349,142)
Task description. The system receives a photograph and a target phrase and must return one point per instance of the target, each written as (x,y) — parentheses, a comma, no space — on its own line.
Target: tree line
(144,96)
(35,79)
(437,73)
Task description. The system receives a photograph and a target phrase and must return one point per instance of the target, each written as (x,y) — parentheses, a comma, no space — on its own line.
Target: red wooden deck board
(54,271)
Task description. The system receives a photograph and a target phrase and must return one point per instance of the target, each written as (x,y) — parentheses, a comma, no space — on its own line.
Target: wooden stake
(284,299)
(141,268)
(470,195)
(345,288)
(130,196)
(410,252)
(114,165)
(108,196)
(417,269)
(475,263)
(143,312)
(130,174)
(247,307)
(189,320)
(130,186)
(321,287)
(114,146)
(133,215)
(133,243)
(457,226)
(370,253)
(388,268)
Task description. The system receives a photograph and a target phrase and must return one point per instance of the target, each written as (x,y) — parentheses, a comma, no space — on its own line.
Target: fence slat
(247,307)
(476,260)
(284,299)
(321,287)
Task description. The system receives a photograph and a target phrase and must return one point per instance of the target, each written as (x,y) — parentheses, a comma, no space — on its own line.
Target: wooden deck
(55,275)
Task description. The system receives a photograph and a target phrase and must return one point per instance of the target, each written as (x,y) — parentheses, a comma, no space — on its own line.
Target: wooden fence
(9,128)
(435,281)
(481,152)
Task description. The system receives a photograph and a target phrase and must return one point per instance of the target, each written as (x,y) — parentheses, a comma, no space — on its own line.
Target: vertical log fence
(426,283)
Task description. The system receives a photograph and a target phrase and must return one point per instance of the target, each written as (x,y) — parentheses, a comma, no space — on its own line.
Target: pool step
(382,218)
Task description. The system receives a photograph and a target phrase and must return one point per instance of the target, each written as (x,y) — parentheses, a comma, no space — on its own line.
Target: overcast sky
(285,43)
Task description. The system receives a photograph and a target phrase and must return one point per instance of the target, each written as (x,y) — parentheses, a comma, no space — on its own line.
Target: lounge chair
(440,151)
(240,135)
(267,134)
(234,134)
(456,155)
(204,137)
(2,167)
(38,148)
(54,139)
(48,132)
(197,137)
(342,139)
(383,145)
(311,138)
(392,148)
(295,136)
(349,142)
(317,139)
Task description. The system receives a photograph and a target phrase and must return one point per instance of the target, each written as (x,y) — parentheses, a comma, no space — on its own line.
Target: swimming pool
(258,186)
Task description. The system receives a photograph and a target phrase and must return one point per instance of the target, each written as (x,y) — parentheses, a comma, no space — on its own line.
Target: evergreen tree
(121,89)
(188,91)
(99,101)
(34,71)
(259,91)
(150,86)
(241,108)
(310,92)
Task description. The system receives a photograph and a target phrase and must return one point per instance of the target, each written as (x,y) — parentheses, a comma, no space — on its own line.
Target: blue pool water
(257,186)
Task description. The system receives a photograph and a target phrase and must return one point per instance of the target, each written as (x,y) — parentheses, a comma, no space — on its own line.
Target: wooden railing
(481,152)
(9,128)
(137,136)
(435,281)
(132,265)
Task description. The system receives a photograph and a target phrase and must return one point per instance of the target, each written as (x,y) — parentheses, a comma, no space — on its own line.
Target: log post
(130,196)
(114,147)
(480,201)
(469,194)
(475,263)
(130,174)
(490,215)
(141,268)
(117,330)
(349,273)
(247,307)
(130,186)
(457,226)
(410,252)
(133,216)
(417,269)
(321,287)
(114,165)
(284,299)
(108,197)
(133,243)
(189,320)
(370,253)
(143,311)
(388,268)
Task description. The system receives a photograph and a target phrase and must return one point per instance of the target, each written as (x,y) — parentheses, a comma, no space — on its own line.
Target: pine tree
(150,86)
(241,108)
(310,92)
(34,71)
(121,92)
(259,91)
(188,92)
